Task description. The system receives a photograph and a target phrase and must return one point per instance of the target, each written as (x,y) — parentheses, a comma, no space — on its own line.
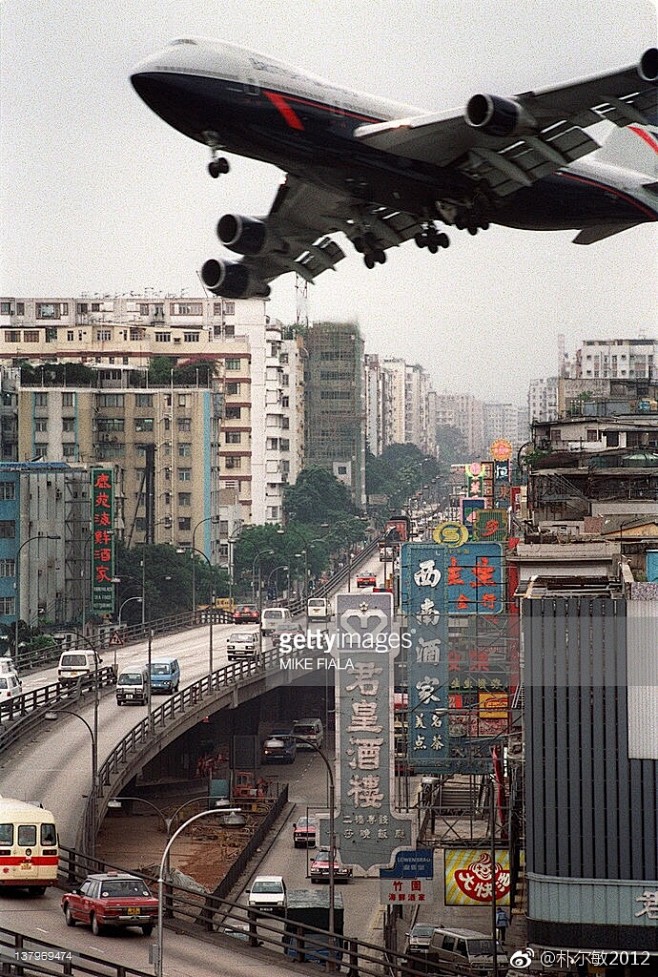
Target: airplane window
(183,40)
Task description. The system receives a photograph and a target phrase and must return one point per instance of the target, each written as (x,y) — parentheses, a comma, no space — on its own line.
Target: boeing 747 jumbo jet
(382,173)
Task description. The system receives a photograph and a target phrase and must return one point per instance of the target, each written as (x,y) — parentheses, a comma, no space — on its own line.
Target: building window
(184,474)
(12,335)
(233,363)
(184,524)
(233,437)
(7,605)
(232,388)
(69,450)
(20,308)
(229,330)
(68,424)
(41,450)
(191,337)
(41,400)
(110,400)
(7,568)
(31,336)
(185,499)
(182,400)
(233,462)
(184,450)
(7,491)
(41,425)
(51,310)
(184,424)
(143,400)
(229,308)
(143,424)
(68,399)
(232,413)
(185,308)
(163,337)
(592,434)
(7,529)
(103,335)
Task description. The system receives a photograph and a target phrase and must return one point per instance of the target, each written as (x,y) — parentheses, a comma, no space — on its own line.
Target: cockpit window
(183,40)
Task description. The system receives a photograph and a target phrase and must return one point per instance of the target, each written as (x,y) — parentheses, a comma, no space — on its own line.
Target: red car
(110,901)
(247,614)
(366,580)
(304,833)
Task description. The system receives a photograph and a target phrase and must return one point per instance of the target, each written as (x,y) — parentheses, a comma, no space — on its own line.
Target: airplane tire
(420,239)
(443,241)
(432,248)
(380,256)
(369,261)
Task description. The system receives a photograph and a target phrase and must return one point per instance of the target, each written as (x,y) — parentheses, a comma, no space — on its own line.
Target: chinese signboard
(475,579)
(408,881)
(102,557)
(423,589)
(368,830)
(468,877)
(490,526)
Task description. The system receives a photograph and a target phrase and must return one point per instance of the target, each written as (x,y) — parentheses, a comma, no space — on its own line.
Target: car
(111,900)
(319,870)
(366,580)
(285,635)
(305,833)
(280,747)
(268,892)
(246,614)
(419,937)
(241,645)
(10,686)
(272,616)
(309,733)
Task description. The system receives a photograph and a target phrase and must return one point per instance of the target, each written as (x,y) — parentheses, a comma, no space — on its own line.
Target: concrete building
(543,400)
(507,421)
(623,359)
(335,408)
(116,335)
(466,413)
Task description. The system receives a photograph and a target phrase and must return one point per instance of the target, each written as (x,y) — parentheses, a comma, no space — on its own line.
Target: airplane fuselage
(236,100)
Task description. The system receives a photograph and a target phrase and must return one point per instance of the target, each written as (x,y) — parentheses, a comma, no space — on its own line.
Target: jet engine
(498,116)
(648,66)
(245,235)
(232,280)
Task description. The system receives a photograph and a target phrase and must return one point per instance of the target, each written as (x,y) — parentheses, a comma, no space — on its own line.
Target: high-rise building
(335,409)
(543,399)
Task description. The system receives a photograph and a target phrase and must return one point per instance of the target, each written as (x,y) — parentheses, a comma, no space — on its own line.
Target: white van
(133,685)
(318,609)
(309,733)
(74,665)
(453,947)
(271,616)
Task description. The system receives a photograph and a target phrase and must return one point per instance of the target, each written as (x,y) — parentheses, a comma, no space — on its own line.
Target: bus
(28,846)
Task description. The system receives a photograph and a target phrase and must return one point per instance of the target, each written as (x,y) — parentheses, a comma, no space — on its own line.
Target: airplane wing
(512,142)
(294,236)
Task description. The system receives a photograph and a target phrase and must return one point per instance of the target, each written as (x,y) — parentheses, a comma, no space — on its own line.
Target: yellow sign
(493,705)
(469,879)
(501,449)
(452,534)
(224,603)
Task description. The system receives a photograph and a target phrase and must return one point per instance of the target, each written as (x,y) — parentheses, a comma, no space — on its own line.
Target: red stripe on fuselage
(648,138)
(289,114)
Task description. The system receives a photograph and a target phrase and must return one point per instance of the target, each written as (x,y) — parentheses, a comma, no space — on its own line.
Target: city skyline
(99,193)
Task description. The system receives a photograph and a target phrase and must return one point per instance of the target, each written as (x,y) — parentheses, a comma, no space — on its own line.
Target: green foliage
(164,370)
(398,473)
(316,497)
(453,449)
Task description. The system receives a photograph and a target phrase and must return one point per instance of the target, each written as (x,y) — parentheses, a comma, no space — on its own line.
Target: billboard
(103,591)
(468,877)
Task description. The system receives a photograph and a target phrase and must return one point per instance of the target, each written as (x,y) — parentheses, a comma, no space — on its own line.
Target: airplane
(383,173)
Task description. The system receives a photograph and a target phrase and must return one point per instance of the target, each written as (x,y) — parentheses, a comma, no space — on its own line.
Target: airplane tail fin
(635,147)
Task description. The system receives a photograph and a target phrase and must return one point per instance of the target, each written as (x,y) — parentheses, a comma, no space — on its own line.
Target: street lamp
(257,559)
(18,582)
(53,717)
(215,520)
(332,833)
(165,855)
(281,566)
(127,601)
(211,608)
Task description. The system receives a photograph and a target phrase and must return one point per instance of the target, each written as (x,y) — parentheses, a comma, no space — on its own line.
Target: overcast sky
(99,195)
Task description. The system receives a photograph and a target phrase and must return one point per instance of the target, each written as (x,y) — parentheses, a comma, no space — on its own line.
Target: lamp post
(127,601)
(165,856)
(53,717)
(332,833)
(281,566)
(17,607)
(211,607)
(213,519)
(257,559)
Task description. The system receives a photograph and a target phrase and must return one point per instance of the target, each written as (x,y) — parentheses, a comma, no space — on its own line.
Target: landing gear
(217,166)
(432,239)
(368,247)
(374,257)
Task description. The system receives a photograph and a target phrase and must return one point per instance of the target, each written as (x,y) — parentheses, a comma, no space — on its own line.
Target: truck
(308,908)
(396,531)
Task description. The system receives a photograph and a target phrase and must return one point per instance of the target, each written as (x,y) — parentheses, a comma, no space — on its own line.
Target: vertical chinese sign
(423,590)
(102,558)
(367,829)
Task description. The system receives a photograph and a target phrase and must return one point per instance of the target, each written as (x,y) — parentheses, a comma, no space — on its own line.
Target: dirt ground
(203,851)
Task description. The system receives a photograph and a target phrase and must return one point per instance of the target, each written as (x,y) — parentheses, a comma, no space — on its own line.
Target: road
(55,768)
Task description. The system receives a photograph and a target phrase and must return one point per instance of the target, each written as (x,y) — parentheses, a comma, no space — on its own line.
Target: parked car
(111,900)
(241,645)
(319,871)
(366,580)
(280,747)
(246,614)
(453,948)
(267,892)
(305,833)
(419,937)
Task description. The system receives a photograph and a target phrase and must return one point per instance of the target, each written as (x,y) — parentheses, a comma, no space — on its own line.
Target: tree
(452,445)
(316,497)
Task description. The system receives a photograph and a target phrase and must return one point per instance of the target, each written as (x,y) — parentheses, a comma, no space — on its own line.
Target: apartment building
(244,417)
(543,399)
(466,413)
(623,359)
